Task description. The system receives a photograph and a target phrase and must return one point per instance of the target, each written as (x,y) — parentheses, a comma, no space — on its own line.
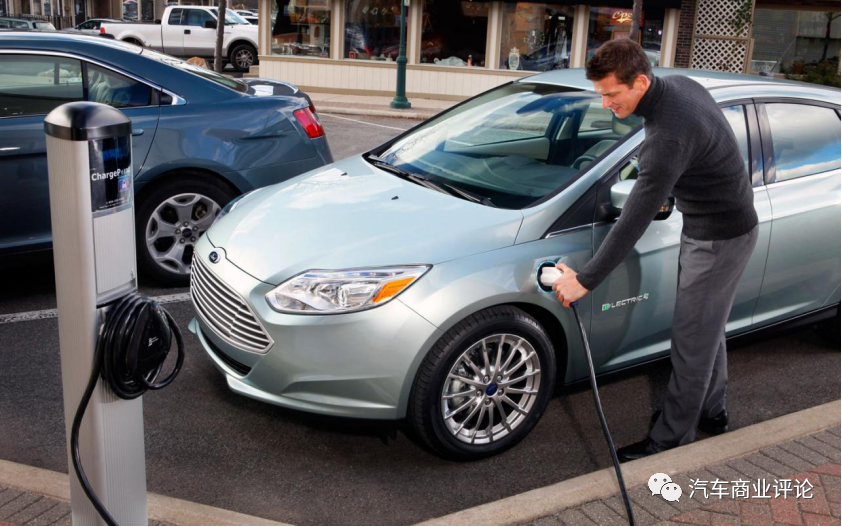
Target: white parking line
(52,313)
(363,122)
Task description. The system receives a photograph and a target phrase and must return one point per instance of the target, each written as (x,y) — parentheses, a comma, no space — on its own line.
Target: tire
(159,224)
(243,56)
(465,436)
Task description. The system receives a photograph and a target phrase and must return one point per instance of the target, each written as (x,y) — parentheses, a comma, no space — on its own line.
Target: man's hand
(567,288)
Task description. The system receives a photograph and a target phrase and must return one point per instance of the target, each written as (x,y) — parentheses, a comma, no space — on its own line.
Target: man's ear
(641,82)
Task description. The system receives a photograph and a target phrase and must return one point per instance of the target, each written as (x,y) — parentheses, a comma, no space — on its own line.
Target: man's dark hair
(623,57)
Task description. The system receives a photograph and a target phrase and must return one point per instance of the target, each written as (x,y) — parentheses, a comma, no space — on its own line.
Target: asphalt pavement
(208,445)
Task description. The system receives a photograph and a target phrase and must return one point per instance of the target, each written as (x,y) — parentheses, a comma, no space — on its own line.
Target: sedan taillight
(308,119)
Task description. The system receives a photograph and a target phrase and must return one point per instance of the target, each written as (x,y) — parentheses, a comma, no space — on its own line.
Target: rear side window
(175,17)
(35,85)
(736,116)
(806,139)
(116,90)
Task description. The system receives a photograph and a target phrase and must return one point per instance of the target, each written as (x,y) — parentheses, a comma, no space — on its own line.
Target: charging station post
(89,160)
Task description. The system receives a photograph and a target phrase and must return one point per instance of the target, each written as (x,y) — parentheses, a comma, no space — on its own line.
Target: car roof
(61,41)
(712,80)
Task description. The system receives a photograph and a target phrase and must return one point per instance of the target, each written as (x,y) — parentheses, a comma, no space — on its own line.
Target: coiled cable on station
(131,350)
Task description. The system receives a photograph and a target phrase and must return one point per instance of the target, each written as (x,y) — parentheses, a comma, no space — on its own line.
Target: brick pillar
(684,42)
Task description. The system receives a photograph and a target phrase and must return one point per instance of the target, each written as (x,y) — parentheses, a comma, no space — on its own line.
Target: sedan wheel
(170,220)
(491,389)
(175,226)
(484,385)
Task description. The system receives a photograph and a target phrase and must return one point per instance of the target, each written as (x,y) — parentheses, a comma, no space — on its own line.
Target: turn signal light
(308,119)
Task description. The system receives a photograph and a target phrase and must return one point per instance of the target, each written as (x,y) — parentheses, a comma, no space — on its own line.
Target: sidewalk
(813,458)
(376,106)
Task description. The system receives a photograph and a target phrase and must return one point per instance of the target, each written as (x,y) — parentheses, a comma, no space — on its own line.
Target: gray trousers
(708,274)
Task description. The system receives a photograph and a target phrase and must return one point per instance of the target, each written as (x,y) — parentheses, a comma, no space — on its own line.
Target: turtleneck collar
(648,104)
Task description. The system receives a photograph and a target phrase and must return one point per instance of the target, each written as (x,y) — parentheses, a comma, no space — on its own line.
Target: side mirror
(210,24)
(620,193)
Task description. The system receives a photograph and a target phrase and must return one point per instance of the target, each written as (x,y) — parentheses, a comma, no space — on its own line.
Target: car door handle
(137,132)
(8,150)
(186,31)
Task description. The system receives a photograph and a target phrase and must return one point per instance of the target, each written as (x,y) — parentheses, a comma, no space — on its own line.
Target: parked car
(190,31)
(199,138)
(25,23)
(402,283)
(92,25)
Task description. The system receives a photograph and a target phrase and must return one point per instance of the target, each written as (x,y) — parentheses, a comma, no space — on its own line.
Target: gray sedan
(199,138)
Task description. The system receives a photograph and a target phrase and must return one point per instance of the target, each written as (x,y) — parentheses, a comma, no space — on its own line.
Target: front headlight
(329,292)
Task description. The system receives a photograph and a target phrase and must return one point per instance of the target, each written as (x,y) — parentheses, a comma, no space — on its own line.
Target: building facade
(458,48)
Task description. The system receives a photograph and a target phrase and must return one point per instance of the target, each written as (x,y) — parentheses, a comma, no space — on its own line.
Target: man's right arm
(661,164)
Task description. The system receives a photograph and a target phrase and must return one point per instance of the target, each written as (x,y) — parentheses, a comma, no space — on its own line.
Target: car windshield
(513,145)
(230,17)
(228,82)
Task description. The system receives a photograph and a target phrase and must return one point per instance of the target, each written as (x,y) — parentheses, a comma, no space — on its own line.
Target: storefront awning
(649,4)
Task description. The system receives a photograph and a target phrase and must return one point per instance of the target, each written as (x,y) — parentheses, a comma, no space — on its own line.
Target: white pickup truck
(190,31)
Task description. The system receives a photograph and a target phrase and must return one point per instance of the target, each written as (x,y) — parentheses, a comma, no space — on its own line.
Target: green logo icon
(606,307)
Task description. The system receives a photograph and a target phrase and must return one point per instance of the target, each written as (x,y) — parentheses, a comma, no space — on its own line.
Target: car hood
(350,214)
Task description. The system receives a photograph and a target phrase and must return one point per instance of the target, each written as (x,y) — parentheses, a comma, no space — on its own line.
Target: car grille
(225,311)
(238,367)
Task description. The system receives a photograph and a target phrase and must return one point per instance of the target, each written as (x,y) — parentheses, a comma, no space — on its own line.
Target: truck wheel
(169,221)
(243,56)
(484,385)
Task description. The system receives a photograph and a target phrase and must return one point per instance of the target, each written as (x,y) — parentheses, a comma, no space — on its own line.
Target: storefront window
(454,33)
(536,37)
(372,29)
(36,7)
(611,23)
(130,10)
(3,9)
(301,27)
(787,41)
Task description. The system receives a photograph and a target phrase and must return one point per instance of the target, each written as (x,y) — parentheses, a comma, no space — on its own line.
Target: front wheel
(243,57)
(484,385)
(170,220)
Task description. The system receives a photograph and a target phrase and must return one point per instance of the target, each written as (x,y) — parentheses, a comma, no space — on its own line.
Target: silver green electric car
(402,283)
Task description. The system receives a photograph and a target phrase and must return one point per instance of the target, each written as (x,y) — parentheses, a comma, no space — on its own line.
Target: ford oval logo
(213,257)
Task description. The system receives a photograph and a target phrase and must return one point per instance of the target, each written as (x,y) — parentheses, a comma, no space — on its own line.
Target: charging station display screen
(111,173)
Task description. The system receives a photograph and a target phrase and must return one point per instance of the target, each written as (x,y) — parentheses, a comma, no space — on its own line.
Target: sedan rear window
(228,82)
(513,145)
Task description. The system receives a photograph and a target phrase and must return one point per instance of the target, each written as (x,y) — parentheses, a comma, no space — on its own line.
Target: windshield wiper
(409,176)
(470,196)
(444,188)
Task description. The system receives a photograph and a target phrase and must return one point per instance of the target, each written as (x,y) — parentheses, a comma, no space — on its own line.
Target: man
(691,152)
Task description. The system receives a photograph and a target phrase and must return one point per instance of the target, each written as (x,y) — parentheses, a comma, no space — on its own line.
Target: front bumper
(352,365)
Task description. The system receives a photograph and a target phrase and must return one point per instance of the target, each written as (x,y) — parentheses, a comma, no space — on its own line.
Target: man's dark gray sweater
(690,151)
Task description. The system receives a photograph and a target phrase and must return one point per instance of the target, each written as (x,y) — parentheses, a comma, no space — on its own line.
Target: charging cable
(549,273)
(131,350)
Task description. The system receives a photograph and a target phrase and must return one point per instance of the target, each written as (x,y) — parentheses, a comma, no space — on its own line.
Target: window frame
(770,175)
(177,100)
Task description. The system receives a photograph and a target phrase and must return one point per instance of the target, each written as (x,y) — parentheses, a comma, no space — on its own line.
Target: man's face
(620,98)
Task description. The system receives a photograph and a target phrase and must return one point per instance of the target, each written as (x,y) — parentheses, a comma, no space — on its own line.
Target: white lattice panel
(719,55)
(714,18)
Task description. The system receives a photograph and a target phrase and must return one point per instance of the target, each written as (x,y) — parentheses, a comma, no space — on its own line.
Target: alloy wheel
(174,228)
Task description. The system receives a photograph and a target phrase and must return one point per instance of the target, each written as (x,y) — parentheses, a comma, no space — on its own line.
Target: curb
(162,509)
(399,114)
(550,500)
